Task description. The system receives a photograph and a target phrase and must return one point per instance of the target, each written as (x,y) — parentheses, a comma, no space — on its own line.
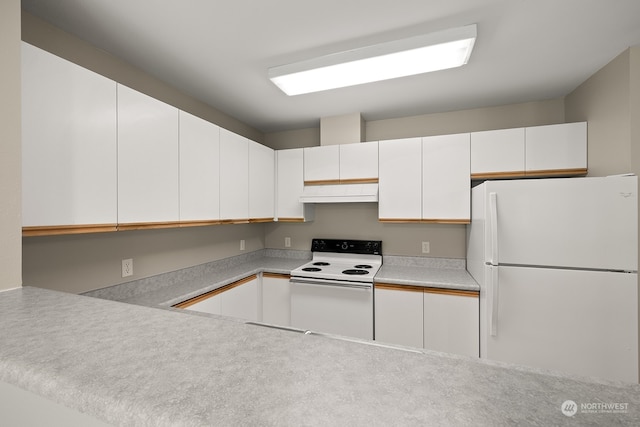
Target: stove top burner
(311,269)
(322,263)
(355,271)
(363,266)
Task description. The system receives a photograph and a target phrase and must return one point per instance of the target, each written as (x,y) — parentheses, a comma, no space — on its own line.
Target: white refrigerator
(556,261)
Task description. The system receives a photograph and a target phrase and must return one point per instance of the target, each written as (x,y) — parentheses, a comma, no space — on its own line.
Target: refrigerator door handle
(493,220)
(493,321)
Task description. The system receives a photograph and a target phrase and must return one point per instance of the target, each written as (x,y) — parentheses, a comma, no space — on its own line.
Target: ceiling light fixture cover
(415,55)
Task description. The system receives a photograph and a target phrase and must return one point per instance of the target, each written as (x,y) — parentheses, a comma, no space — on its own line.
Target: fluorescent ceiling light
(416,55)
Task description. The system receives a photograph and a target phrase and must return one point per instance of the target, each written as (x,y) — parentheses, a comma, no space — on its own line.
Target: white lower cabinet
(435,319)
(398,316)
(452,322)
(276,299)
(239,299)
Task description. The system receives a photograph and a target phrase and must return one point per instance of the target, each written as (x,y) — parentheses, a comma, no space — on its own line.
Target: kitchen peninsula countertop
(133,365)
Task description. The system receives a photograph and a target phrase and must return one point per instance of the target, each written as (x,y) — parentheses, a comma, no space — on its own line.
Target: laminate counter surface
(133,365)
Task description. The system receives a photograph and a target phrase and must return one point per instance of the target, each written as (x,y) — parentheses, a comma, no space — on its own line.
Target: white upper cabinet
(322,164)
(289,186)
(446,188)
(68,143)
(261,182)
(234,177)
(497,153)
(400,187)
(359,162)
(556,149)
(147,159)
(199,169)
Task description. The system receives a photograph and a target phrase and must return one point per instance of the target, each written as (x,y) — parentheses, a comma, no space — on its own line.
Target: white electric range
(333,293)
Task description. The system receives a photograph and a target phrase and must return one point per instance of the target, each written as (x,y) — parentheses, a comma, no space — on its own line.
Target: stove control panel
(364,247)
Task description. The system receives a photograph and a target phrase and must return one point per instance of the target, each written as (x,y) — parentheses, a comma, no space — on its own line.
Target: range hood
(339,193)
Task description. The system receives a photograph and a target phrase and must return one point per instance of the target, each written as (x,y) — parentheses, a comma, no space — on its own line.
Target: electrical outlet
(127,267)
(242,245)
(287,242)
(426,247)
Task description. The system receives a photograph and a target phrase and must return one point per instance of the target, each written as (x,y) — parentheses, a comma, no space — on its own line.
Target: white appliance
(557,260)
(334,292)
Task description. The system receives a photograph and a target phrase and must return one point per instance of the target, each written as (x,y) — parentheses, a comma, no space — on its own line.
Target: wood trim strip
(256,220)
(191,301)
(200,223)
(400,220)
(277,275)
(55,230)
(558,172)
(343,181)
(290,219)
(235,221)
(455,292)
(427,290)
(506,174)
(395,287)
(147,225)
(446,221)
(359,181)
(323,182)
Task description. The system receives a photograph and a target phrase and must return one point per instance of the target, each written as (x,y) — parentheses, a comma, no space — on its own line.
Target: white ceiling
(219,51)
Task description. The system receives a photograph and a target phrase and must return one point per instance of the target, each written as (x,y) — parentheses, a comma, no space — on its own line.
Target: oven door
(340,308)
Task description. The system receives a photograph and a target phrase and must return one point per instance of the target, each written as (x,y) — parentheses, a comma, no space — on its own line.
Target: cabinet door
(452,323)
(211,305)
(234,176)
(147,159)
(69,169)
(398,316)
(497,153)
(199,169)
(446,188)
(261,182)
(400,187)
(289,186)
(241,301)
(556,149)
(322,163)
(359,162)
(276,299)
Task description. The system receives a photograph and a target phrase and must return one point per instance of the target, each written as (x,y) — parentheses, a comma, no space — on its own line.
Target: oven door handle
(333,283)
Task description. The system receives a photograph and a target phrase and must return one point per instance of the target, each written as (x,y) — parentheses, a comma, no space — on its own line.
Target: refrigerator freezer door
(578,322)
(580,223)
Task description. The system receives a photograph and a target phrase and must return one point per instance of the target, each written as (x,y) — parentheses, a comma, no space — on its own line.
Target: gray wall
(10,151)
